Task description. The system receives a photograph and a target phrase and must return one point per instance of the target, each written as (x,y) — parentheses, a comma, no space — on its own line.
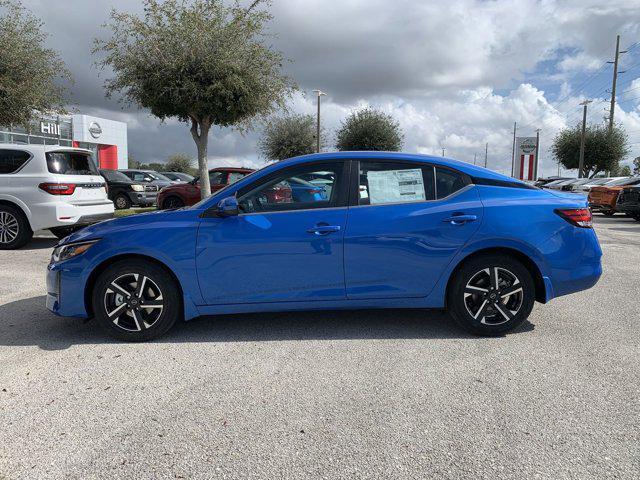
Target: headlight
(137,188)
(65,252)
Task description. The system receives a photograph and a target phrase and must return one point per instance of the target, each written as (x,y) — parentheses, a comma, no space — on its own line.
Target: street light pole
(319,93)
(584,127)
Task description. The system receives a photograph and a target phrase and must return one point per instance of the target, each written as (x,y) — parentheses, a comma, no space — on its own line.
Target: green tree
(289,136)
(31,75)
(602,151)
(204,62)
(636,166)
(369,129)
(180,162)
(623,171)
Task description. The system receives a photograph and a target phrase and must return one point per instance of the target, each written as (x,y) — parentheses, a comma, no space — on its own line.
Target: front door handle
(460,219)
(324,229)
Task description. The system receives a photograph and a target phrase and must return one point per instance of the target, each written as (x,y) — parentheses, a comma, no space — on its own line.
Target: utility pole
(614,81)
(443,151)
(319,93)
(535,165)
(513,150)
(486,151)
(474,158)
(584,127)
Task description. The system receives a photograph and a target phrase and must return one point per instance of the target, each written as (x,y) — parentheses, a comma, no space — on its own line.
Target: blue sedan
(393,230)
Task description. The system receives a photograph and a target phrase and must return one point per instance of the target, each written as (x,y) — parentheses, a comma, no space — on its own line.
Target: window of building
(12,160)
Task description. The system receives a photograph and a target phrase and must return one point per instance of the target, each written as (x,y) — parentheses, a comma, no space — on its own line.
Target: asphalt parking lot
(369,394)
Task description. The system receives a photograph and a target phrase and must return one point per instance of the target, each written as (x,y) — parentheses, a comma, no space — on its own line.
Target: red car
(185,194)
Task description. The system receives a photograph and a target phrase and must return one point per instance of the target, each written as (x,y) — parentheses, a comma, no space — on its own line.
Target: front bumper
(632,208)
(61,281)
(143,199)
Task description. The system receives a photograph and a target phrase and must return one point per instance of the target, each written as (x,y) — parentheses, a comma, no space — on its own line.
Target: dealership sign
(95,130)
(49,128)
(525,158)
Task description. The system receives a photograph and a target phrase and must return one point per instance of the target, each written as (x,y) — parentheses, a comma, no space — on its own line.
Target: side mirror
(228,207)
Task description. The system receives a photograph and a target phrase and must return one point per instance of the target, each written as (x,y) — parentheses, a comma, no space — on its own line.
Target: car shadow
(26,322)
(39,243)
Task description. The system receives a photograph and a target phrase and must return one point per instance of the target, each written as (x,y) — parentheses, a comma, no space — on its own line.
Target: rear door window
(12,160)
(448,182)
(71,163)
(394,182)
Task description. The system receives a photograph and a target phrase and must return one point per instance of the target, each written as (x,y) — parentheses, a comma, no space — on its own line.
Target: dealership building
(107,139)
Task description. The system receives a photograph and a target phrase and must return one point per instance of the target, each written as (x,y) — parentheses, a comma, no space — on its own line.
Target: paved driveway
(369,394)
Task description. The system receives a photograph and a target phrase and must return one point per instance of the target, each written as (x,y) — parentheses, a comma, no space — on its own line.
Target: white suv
(48,187)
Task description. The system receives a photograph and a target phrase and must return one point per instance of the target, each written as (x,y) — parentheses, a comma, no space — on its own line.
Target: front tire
(172,202)
(136,300)
(122,202)
(491,295)
(15,231)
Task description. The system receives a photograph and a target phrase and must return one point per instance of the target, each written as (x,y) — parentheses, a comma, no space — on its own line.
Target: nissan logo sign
(528,146)
(95,130)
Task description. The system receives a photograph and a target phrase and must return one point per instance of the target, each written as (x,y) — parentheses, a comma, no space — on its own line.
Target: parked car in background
(397,231)
(541,182)
(48,187)
(629,201)
(124,192)
(594,182)
(554,183)
(153,181)
(604,198)
(186,194)
(178,176)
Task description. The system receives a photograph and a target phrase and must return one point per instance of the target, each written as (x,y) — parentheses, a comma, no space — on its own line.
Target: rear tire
(636,217)
(609,213)
(15,231)
(122,202)
(485,307)
(120,307)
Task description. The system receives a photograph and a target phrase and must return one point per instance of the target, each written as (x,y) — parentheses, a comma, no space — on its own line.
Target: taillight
(580,217)
(58,188)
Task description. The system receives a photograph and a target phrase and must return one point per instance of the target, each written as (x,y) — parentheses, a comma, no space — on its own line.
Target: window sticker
(393,186)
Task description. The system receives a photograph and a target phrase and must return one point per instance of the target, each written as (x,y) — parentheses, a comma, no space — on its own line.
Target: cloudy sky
(455,74)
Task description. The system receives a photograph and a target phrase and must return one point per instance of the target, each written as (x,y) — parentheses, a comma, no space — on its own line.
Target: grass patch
(132,211)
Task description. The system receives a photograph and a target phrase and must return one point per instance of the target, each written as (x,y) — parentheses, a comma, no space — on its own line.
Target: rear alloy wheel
(172,202)
(122,202)
(491,295)
(15,231)
(136,300)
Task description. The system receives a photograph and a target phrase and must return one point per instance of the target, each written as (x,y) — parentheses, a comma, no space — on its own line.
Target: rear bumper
(60,214)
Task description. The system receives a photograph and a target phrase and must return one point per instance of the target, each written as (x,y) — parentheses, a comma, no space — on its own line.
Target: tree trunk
(200,133)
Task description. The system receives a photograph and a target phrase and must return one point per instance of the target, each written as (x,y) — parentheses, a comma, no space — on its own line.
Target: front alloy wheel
(136,300)
(133,302)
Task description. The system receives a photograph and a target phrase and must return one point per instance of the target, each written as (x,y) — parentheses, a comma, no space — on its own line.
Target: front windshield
(222,190)
(158,176)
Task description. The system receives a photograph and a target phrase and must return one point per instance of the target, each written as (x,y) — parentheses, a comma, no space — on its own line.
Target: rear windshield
(71,163)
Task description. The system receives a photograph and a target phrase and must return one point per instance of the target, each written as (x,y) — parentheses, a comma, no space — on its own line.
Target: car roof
(30,147)
(468,168)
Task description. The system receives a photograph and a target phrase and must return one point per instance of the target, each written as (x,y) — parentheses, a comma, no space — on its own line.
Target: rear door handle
(460,219)
(324,229)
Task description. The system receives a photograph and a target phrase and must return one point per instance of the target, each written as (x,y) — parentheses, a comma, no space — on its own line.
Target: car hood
(117,225)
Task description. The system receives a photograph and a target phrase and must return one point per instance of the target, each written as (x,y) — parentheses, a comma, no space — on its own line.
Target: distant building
(107,139)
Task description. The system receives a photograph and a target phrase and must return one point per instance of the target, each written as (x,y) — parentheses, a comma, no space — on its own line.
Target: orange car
(603,199)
